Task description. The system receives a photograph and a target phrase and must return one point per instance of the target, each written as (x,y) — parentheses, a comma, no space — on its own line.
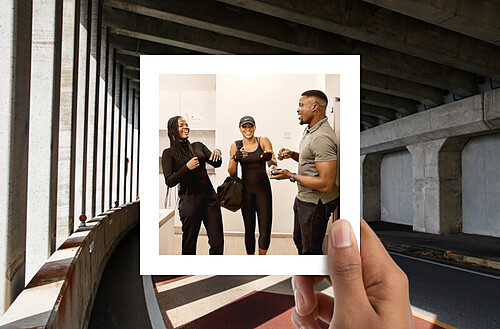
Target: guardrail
(62,292)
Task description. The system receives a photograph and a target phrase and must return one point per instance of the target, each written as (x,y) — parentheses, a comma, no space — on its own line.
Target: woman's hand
(370,290)
(193,163)
(215,156)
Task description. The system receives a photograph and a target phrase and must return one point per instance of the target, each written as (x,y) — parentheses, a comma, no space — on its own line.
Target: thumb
(344,266)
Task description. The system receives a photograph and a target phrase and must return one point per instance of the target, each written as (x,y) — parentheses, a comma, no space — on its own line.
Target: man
(317,195)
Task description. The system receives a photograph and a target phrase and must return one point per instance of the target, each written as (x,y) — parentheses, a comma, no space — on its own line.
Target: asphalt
(476,250)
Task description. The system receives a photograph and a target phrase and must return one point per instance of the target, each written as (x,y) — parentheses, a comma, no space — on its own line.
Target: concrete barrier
(62,293)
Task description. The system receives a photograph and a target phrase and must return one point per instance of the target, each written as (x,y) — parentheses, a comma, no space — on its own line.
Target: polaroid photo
(215,95)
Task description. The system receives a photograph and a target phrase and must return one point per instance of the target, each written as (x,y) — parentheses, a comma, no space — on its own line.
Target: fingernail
(299,300)
(342,235)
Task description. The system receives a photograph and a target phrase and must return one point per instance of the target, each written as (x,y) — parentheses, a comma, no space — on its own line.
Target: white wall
(481,186)
(396,191)
(272,100)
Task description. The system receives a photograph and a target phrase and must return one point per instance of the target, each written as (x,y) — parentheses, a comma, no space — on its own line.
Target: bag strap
(239,144)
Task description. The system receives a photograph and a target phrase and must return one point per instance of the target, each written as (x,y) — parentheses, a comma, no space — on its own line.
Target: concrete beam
(182,36)
(378,112)
(402,105)
(460,118)
(133,46)
(278,33)
(478,19)
(358,20)
(131,74)
(374,81)
(128,60)
(492,108)
(369,121)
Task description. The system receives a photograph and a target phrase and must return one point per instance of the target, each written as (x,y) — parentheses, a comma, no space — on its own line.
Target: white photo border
(151,66)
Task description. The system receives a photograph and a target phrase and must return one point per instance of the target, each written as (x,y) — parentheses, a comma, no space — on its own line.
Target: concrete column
(437,185)
(135,149)
(115,115)
(138,147)
(67,122)
(43,133)
(124,140)
(15,54)
(119,139)
(99,111)
(132,152)
(108,126)
(91,121)
(370,177)
(82,76)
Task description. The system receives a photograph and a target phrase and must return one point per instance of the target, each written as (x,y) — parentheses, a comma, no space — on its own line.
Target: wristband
(292,178)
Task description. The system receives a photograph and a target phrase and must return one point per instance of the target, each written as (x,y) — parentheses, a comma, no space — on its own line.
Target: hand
(284,154)
(281,174)
(193,163)
(215,156)
(267,155)
(370,290)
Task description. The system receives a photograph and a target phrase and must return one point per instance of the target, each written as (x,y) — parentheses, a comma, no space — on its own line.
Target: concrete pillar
(115,123)
(79,125)
(67,122)
(99,110)
(91,110)
(108,126)
(123,140)
(370,173)
(132,145)
(15,54)
(135,149)
(119,138)
(43,133)
(437,185)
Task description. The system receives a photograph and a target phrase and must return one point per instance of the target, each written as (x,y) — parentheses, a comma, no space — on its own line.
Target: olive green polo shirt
(318,144)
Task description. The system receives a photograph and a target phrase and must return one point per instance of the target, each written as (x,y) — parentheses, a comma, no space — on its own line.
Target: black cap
(247,119)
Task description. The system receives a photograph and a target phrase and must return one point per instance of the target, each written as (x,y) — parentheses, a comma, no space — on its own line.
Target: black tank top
(253,164)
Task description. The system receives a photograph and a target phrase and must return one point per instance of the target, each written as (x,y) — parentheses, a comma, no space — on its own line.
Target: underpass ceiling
(415,54)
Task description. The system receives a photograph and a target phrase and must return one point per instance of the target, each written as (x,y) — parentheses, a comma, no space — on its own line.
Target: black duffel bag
(230,194)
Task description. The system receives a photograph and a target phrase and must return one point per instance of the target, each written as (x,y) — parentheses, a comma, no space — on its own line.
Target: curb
(440,254)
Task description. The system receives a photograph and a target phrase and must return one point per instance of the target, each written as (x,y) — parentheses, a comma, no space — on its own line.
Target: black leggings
(257,200)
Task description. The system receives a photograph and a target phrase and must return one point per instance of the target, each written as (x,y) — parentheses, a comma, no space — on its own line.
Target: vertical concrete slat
(119,140)
(108,124)
(93,87)
(132,153)
(99,129)
(114,132)
(125,140)
(80,117)
(15,52)
(138,142)
(43,133)
(67,120)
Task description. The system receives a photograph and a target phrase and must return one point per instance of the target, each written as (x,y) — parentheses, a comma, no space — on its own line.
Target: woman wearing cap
(253,153)
(184,163)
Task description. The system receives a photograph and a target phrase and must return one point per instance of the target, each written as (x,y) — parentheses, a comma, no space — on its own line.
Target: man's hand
(280,174)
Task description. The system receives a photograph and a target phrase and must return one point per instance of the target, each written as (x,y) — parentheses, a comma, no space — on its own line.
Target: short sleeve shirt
(318,144)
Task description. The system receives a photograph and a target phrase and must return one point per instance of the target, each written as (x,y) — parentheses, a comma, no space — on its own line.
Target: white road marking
(196,309)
